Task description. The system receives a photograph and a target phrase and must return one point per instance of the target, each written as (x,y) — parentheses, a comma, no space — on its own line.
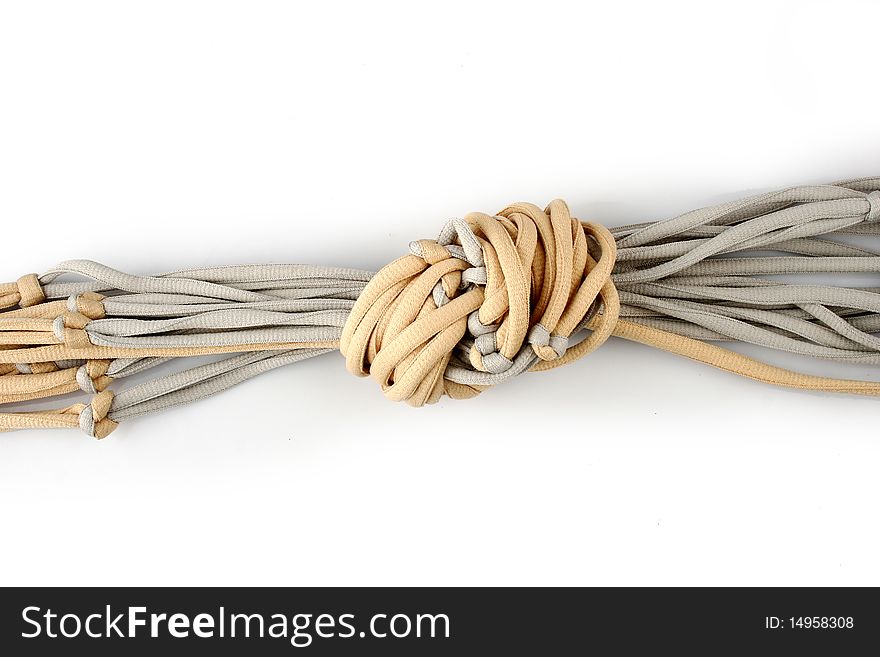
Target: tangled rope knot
(490,298)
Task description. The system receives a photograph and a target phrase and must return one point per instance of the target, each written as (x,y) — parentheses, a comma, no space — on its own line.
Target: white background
(155,136)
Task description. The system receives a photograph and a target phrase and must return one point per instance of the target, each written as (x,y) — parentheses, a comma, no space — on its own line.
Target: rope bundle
(491,298)
(507,292)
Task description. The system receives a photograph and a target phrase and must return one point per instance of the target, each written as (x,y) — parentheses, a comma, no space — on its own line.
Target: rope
(492,297)
(518,285)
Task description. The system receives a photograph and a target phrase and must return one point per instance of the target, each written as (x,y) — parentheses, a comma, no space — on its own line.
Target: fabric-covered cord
(301,308)
(492,297)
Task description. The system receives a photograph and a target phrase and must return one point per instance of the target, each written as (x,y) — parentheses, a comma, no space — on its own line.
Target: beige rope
(75,349)
(66,418)
(731,361)
(25,292)
(16,386)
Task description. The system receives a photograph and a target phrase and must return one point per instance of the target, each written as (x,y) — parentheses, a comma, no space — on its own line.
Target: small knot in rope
(30,291)
(92,376)
(93,418)
(69,328)
(89,304)
(490,298)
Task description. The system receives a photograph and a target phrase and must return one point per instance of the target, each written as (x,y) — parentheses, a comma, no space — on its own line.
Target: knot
(490,298)
(541,340)
(93,418)
(69,329)
(873,206)
(30,291)
(92,376)
(89,304)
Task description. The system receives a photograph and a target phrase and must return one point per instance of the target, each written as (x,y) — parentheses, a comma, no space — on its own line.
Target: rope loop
(491,297)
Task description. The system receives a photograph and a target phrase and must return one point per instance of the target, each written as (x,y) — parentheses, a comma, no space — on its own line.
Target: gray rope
(200,382)
(673,275)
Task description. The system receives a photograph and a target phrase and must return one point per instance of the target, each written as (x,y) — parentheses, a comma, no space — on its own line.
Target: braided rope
(492,297)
